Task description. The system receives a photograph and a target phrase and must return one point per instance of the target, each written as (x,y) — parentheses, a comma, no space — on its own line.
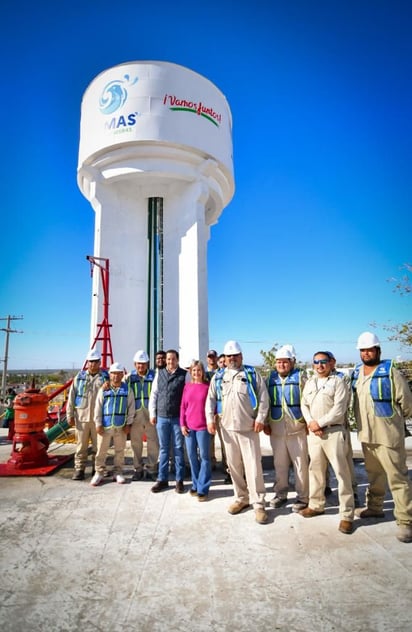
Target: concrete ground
(117,557)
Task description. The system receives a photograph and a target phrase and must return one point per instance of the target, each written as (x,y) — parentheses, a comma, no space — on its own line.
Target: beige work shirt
(237,412)
(325,401)
(387,431)
(85,411)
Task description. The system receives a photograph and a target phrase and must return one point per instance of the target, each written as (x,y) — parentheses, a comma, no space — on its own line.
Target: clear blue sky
(321,98)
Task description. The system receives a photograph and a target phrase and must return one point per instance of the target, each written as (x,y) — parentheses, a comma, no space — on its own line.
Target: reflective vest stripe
(288,391)
(81,381)
(381,388)
(251,387)
(115,407)
(251,379)
(142,388)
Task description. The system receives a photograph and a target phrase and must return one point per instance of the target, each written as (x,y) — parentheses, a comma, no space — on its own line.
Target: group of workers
(305,417)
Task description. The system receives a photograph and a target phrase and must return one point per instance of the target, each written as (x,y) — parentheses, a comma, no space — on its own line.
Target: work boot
(310,513)
(78,475)
(346,526)
(370,513)
(404,533)
(159,486)
(261,516)
(278,502)
(237,507)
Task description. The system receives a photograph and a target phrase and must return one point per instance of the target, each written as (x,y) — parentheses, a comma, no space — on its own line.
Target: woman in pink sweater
(194,429)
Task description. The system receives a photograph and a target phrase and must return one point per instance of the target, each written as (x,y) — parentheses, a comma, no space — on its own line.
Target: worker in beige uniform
(324,404)
(80,411)
(244,400)
(382,401)
(113,415)
(287,430)
(140,381)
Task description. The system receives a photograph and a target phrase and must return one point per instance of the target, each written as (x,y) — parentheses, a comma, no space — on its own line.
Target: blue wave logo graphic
(114,94)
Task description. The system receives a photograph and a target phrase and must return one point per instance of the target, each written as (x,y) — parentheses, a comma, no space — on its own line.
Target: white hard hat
(283,353)
(367,340)
(93,355)
(116,367)
(232,348)
(290,348)
(141,356)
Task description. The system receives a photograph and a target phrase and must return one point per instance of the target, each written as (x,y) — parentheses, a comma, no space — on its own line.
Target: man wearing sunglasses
(324,404)
(382,401)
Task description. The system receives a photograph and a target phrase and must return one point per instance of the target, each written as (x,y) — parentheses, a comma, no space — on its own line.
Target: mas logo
(114,94)
(112,98)
(182,105)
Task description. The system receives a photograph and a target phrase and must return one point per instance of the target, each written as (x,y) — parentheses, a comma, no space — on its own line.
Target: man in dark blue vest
(164,411)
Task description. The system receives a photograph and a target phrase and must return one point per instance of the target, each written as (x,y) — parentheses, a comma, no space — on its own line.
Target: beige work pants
(103,445)
(85,432)
(244,460)
(388,466)
(287,450)
(330,447)
(141,426)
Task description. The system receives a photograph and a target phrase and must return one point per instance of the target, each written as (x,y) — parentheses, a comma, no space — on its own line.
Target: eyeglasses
(321,361)
(232,355)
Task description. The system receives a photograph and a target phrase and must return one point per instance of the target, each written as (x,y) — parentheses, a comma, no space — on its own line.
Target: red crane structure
(103,328)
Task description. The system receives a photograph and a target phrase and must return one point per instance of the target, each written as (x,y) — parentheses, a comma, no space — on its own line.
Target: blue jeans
(168,429)
(198,452)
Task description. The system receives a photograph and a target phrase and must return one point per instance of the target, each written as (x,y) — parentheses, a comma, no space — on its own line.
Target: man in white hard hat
(140,381)
(80,411)
(324,404)
(382,402)
(113,416)
(245,404)
(212,367)
(287,429)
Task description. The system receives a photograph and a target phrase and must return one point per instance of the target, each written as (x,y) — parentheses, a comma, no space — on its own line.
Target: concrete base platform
(117,557)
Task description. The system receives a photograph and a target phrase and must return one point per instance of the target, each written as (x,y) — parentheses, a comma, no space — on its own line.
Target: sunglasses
(321,361)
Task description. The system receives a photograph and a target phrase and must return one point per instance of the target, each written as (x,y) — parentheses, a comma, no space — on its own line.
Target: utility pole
(8,331)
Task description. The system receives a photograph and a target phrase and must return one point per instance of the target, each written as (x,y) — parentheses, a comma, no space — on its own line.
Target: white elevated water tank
(155,162)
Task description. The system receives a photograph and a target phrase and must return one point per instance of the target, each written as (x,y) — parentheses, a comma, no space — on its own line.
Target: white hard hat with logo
(141,356)
(367,340)
(283,354)
(116,367)
(232,348)
(93,355)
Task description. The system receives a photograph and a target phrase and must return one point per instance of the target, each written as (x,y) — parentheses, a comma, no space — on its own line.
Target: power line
(8,331)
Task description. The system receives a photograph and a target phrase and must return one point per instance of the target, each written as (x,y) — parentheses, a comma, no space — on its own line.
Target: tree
(269,359)
(403,285)
(402,333)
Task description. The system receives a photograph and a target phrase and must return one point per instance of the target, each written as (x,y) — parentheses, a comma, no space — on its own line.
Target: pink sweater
(192,408)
